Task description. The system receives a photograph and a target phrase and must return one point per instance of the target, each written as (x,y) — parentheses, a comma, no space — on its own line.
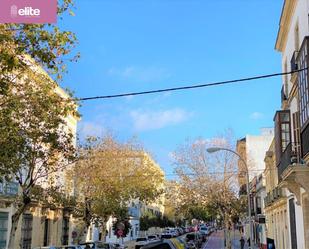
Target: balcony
(285,160)
(293,173)
(275,195)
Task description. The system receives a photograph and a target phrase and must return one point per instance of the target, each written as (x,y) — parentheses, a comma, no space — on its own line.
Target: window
(65,230)
(46,232)
(303,89)
(26,231)
(282,132)
(3,229)
(296,134)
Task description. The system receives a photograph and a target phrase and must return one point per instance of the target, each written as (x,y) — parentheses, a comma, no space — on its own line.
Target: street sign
(119,233)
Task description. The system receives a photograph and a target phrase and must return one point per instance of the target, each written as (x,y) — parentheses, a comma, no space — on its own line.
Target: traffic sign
(119,233)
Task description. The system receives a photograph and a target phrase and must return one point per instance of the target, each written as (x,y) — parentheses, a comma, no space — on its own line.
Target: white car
(141,241)
(167,234)
(175,233)
(71,247)
(204,230)
(47,247)
(152,237)
(96,245)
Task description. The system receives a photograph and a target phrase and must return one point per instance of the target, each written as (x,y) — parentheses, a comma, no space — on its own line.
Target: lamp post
(216,149)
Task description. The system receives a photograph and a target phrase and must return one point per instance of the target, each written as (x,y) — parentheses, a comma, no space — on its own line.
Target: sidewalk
(215,241)
(235,241)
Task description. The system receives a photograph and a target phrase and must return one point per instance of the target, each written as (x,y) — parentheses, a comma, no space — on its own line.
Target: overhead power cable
(190,87)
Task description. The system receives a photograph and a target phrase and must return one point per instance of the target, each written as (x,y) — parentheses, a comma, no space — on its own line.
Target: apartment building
(252,149)
(291,149)
(276,209)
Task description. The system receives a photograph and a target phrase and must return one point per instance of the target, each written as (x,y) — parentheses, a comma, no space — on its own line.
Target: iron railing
(285,160)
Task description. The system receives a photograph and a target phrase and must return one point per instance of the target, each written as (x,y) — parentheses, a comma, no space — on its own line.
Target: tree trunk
(15,220)
(81,235)
(104,229)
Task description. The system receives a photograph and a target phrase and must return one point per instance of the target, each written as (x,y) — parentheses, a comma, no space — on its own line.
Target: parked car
(167,234)
(47,247)
(119,246)
(175,232)
(141,241)
(96,245)
(196,238)
(180,230)
(179,243)
(162,244)
(204,231)
(71,247)
(152,237)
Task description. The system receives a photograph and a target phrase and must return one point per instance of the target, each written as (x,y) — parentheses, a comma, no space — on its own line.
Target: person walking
(242,242)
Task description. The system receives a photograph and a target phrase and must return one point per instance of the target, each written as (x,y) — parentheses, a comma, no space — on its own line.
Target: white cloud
(256,115)
(152,120)
(128,98)
(90,129)
(144,74)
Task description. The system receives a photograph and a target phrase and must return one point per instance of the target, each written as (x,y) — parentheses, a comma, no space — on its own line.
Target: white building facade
(292,121)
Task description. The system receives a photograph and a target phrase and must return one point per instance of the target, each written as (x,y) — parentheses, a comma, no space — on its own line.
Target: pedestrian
(249,243)
(242,242)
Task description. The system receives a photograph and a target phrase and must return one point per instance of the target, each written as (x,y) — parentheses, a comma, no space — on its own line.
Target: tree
(34,140)
(48,45)
(35,143)
(207,183)
(148,220)
(111,174)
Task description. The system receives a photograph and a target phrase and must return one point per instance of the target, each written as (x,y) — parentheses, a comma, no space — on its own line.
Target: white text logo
(27,11)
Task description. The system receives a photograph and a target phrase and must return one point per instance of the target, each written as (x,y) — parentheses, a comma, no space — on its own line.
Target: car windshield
(152,237)
(141,239)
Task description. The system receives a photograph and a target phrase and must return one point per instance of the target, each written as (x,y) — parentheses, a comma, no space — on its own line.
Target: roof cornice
(285,23)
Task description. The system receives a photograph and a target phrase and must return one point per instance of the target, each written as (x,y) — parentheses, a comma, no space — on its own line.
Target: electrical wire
(190,86)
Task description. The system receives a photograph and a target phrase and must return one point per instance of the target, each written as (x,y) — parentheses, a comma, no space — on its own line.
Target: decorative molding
(285,23)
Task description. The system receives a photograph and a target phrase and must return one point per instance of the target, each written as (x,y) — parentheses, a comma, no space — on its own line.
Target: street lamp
(216,149)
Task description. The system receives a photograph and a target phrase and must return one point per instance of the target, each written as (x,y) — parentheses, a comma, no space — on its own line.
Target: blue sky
(137,45)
